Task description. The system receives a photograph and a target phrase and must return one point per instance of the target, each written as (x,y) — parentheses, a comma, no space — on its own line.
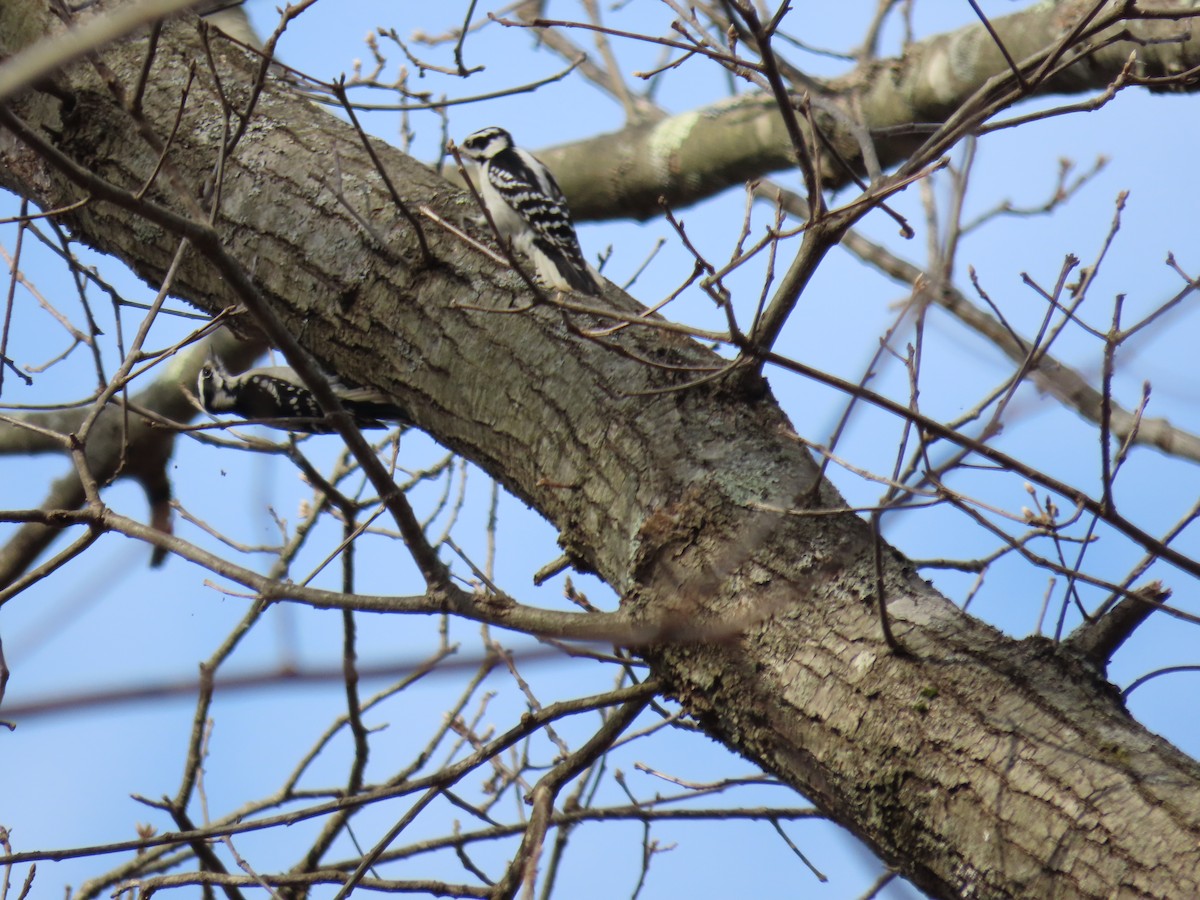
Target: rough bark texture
(978,765)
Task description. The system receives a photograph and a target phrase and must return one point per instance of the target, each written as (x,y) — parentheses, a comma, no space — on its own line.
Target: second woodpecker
(276,394)
(529,208)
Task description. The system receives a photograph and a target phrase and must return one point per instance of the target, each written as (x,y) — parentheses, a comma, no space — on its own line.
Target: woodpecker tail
(562,272)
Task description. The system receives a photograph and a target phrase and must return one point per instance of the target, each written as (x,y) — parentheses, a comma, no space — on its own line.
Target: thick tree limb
(976,764)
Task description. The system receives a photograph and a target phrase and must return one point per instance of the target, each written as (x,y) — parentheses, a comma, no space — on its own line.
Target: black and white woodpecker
(529,208)
(277,394)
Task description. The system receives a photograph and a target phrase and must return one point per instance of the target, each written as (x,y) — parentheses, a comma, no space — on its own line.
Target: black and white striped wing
(529,189)
(266,396)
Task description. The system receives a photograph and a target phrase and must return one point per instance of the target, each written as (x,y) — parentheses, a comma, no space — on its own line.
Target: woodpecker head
(215,387)
(486,143)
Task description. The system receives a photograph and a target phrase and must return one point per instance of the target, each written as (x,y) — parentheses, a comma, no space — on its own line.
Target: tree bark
(977,765)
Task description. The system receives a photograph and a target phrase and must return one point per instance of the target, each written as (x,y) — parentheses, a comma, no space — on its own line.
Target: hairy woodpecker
(277,393)
(529,208)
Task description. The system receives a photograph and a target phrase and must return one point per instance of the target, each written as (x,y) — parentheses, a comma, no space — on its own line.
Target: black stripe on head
(487,142)
(212,385)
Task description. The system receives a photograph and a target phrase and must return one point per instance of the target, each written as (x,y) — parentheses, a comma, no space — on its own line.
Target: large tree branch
(974,763)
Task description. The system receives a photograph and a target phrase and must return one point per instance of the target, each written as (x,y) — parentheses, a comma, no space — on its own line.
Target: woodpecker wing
(280,373)
(264,395)
(530,190)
